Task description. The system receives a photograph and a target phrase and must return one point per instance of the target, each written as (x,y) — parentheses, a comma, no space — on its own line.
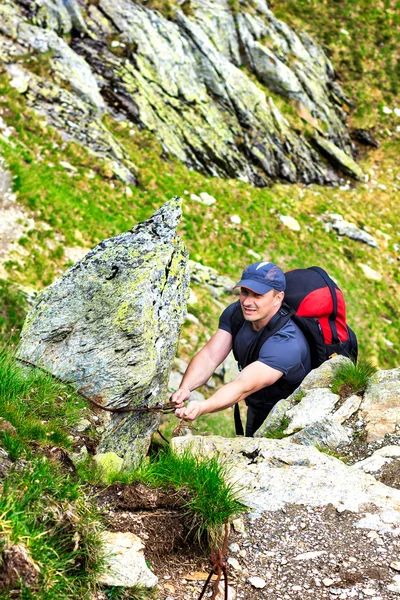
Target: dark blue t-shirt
(286,351)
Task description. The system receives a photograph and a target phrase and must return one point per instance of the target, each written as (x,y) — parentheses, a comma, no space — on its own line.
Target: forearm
(227,396)
(199,371)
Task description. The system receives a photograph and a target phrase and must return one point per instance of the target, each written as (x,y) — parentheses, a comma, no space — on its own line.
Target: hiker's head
(262,277)
(261,292)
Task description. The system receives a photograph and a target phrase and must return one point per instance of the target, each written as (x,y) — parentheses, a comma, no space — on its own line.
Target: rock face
(189,79)
(281,472)
(322,418)
(110,326)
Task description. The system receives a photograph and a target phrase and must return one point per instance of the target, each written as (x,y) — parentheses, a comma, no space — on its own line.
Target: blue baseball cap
(262,277)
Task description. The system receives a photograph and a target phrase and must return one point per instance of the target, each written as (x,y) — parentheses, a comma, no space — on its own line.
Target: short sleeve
(225,318)
(280,352)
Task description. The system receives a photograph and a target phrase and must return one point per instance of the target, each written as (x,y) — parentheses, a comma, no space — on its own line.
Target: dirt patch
(347,562)
(161,521)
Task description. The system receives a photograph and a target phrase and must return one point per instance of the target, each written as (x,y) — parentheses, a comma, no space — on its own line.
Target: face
(259,308)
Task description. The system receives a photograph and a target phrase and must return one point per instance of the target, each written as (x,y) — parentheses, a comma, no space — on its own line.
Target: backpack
(315,303)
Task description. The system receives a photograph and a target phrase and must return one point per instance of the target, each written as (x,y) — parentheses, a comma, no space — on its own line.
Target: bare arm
(203,365)
(253,378)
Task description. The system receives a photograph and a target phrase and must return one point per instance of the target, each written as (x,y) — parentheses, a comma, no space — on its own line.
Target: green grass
(278,433)
(13,308)
(81,211)
(212,501)
(43,509)
(352,378)
(132,593)
(41,409)
(332,452)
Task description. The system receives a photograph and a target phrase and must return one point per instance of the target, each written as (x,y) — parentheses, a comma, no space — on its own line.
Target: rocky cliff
(213,82)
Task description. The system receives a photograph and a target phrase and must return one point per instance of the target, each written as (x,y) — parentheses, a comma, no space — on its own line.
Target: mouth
(248,311)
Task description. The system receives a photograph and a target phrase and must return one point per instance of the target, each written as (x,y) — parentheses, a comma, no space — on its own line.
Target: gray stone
(348,408)
(350,230)
(315,406)
(323,376)
(324,433)
(274,418)
(380,408)
(110,326)
(379,458)
(230,368)
(174,381)
(125,562)
(180,365)
(5,463)
(289,473)
(340,158)
(209,277)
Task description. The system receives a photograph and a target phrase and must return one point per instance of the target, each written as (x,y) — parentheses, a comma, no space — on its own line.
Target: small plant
(299,396)
(360,436)
(278,434)
(352,378)
(332,452)
(210,499)
(132,593)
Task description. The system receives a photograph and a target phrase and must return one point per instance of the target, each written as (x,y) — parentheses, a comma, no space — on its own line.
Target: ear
(279,298)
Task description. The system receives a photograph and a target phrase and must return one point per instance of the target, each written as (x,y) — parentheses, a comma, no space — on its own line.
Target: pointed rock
(110,326)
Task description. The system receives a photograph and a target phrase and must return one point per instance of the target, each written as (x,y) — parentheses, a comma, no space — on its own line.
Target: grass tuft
(352,378)
(278,434)
(211,500)
(46,511)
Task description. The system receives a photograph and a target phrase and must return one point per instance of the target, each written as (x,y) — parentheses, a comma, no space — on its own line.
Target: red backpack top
(320,312)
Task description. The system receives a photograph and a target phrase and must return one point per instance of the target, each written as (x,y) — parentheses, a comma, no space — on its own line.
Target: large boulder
(363,427)
(110,326)
(188,78)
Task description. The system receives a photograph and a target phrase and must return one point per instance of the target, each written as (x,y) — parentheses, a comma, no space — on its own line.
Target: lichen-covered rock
(110,326)
(211,279)
(381,404)
(324,433)
(282,472)
(186,79)
(338,157)
(67,63)
(315,405)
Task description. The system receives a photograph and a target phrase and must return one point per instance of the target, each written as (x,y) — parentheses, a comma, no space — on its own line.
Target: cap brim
(254,286)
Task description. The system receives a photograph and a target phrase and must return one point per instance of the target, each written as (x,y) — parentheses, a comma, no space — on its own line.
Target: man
(283,361)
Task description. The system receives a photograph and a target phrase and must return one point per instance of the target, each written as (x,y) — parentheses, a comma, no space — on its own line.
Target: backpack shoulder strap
(275,324)
(332,289)
(237,320)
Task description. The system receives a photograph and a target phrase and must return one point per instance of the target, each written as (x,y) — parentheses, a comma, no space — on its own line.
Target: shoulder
(225,320)
(285,346)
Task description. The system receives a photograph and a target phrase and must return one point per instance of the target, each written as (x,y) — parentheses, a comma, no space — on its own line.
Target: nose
(247,302)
